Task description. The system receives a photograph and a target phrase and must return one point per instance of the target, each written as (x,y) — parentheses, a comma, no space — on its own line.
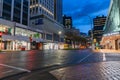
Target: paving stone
(92,71)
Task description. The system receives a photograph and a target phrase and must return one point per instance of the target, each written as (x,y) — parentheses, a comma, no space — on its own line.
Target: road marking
(7,72)
(13,67)
(104,57)
(84,58)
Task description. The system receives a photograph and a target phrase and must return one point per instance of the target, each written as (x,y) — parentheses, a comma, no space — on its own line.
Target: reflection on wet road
(27,61)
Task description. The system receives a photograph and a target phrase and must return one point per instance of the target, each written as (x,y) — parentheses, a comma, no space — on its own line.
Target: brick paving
(93,71)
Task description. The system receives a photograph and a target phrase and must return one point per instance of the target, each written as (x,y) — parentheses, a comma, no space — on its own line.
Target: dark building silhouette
(67,22)
(99,23)
(58,11)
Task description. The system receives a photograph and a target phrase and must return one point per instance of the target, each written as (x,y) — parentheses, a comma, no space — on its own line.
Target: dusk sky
(78,9)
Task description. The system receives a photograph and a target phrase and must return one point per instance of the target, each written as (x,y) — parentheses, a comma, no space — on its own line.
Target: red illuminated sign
(0,33)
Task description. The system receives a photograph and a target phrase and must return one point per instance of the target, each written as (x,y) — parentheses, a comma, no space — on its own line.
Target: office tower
(15,10)
(42,7)
(99,23)
(67,22)
(58,11)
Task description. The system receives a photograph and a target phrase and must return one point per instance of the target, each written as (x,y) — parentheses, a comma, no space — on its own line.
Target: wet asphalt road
(28,62)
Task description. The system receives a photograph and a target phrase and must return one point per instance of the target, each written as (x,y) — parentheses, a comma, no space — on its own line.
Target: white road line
(104,57)
(7,72)
(13,67)
(84,58)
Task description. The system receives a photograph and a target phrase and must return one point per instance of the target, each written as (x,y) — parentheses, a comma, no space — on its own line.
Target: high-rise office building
(40,7)
(15,10)
(14,25)
(99,23)
(44,18)
(58,11)
(67,22)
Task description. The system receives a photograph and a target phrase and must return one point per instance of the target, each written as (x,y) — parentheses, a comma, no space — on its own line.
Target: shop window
(49,37)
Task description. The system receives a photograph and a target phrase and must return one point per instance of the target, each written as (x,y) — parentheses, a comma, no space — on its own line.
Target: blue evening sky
(78,9)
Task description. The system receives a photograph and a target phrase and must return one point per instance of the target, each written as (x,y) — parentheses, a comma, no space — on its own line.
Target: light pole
(60,32)
(91,23)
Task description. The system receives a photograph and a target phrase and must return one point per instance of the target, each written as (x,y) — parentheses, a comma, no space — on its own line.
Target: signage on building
(109,34)
(39,22)
(0,34)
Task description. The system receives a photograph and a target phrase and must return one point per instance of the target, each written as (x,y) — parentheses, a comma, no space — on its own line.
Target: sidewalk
(107,51)
(92,71)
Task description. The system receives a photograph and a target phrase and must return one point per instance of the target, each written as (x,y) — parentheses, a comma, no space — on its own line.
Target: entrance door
(116,44)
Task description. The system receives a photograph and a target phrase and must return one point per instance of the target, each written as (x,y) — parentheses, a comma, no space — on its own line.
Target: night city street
(59,39)
(27,65)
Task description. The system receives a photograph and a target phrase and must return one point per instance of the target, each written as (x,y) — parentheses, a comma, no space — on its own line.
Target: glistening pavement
(92,71)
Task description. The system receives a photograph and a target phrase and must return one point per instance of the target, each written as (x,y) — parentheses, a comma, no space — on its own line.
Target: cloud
(78,9)
(90,7)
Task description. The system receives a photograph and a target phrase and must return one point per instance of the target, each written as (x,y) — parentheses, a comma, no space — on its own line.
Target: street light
(91,22)
(59,32)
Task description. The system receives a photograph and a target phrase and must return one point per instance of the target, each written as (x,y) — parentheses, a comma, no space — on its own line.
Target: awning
(19,38)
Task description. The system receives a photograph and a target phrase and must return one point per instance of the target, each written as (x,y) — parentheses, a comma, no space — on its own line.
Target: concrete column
(16,46)
(21,14)
(12,10)
(7,46)
(113,42)
(13,48)
(10,44)
(1,7)
(29,46)
(28,12)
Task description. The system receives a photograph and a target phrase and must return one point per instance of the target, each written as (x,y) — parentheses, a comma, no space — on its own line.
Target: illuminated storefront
(53,46)
(111,37)
(5,30)
(17,37)
(111,41)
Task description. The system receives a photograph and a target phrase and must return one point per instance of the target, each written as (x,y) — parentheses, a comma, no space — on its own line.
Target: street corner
(106,51)
(96,51)
(93,71)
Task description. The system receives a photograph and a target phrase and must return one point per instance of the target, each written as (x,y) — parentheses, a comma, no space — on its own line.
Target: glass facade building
(111,37)
(39,7)
(99,23)
(58,11)
(67,22)
(15,10)
(6,13)
(113,20)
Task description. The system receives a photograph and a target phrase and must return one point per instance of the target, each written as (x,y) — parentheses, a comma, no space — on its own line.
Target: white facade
(18,37)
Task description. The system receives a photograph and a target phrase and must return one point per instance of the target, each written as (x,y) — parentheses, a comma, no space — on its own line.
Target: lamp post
(60,32)
(91,23)
(0,40)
